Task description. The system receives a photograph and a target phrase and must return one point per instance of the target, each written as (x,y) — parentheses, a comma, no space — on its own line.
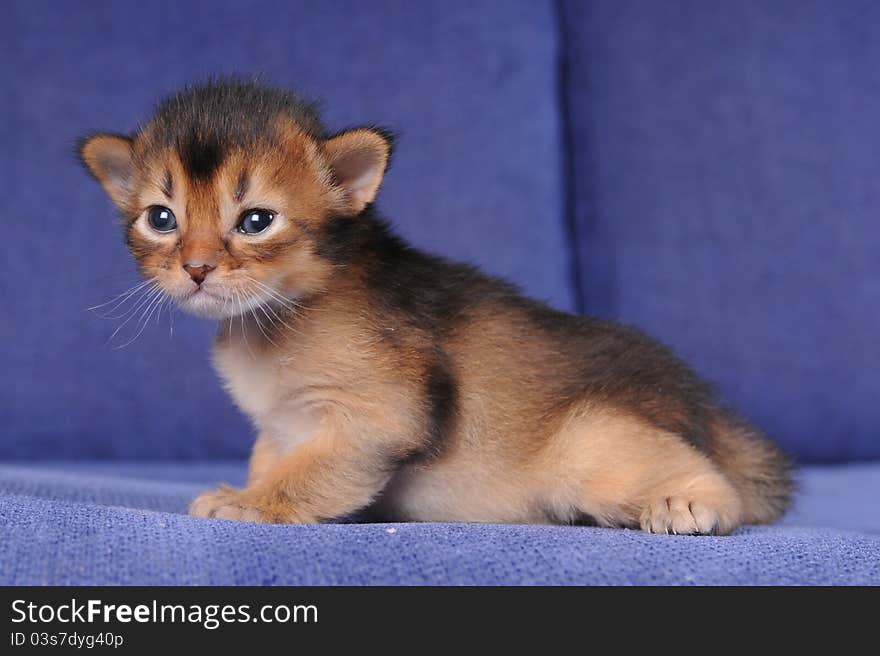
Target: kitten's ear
(358,159)
(110,159)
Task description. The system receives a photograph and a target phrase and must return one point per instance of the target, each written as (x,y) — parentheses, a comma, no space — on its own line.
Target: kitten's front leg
(264,456)
(326,477)
(223,503)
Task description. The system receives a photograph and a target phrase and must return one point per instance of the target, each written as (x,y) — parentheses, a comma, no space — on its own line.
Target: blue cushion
(726,168)
(121,524)
(470,86)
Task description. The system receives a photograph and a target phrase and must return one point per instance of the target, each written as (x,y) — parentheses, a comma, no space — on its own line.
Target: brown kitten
(381,376)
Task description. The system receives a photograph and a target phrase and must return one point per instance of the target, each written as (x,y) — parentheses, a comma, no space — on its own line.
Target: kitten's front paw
(680,516)
(226,503)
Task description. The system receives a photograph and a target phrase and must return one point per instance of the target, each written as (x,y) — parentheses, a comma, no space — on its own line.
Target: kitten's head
(228,191)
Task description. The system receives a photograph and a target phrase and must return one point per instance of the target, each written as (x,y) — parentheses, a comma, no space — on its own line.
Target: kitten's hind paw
(679,516)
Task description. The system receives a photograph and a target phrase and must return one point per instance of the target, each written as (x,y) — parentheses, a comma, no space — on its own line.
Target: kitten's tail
(758,470)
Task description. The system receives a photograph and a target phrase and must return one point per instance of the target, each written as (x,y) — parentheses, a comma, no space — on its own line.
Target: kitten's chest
(259,383)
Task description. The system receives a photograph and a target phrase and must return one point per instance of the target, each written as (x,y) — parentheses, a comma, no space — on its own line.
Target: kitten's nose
(198,272)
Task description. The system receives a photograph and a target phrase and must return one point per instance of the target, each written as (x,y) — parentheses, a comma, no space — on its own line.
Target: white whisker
(146,315)
(139,295)
(127,293)
(148,298)
(243,329)
(282,321)
(260,326)
(281,298)
(272,321)
(162,306)
(277,317)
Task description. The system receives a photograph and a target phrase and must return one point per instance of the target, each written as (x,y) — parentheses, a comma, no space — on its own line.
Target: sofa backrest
(722,172)
(470,86)
(726,168)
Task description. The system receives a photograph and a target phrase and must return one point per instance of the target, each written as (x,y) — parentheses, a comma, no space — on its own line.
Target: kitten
(382,377)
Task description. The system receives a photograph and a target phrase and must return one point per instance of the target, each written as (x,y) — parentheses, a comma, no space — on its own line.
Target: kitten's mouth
(218,304)
(208,304)
(204,292)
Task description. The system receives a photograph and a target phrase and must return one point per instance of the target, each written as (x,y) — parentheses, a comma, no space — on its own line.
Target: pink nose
(198,272)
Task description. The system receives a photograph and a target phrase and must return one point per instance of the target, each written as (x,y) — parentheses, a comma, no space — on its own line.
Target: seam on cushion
(569,217)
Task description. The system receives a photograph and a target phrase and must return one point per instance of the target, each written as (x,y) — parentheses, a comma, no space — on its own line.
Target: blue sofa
(706,170)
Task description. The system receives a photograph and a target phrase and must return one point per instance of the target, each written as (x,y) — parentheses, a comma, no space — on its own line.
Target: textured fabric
(469,85)
(121,524)
(726,178)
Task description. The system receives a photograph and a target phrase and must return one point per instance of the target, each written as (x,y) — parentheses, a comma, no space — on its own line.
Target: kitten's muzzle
(198,272)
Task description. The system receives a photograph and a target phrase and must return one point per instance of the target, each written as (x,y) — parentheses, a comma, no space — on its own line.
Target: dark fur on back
(611,363)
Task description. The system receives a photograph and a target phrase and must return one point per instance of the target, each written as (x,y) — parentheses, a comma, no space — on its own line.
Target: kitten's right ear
(110,158)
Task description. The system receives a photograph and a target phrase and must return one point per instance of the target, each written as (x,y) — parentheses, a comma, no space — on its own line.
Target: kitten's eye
(254,221)
(161,219)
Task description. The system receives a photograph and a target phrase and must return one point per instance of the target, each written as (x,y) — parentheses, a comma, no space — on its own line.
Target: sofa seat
(124,523)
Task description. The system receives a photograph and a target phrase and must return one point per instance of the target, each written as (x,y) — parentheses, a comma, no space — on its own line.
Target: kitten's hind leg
(626,472)
(690,513)
(689,496)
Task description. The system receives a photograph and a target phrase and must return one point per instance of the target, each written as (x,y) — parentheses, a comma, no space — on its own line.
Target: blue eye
(255,221)
(161,219)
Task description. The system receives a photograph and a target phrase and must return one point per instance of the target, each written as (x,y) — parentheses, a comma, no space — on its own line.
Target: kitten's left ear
(358,159)
(110,159)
